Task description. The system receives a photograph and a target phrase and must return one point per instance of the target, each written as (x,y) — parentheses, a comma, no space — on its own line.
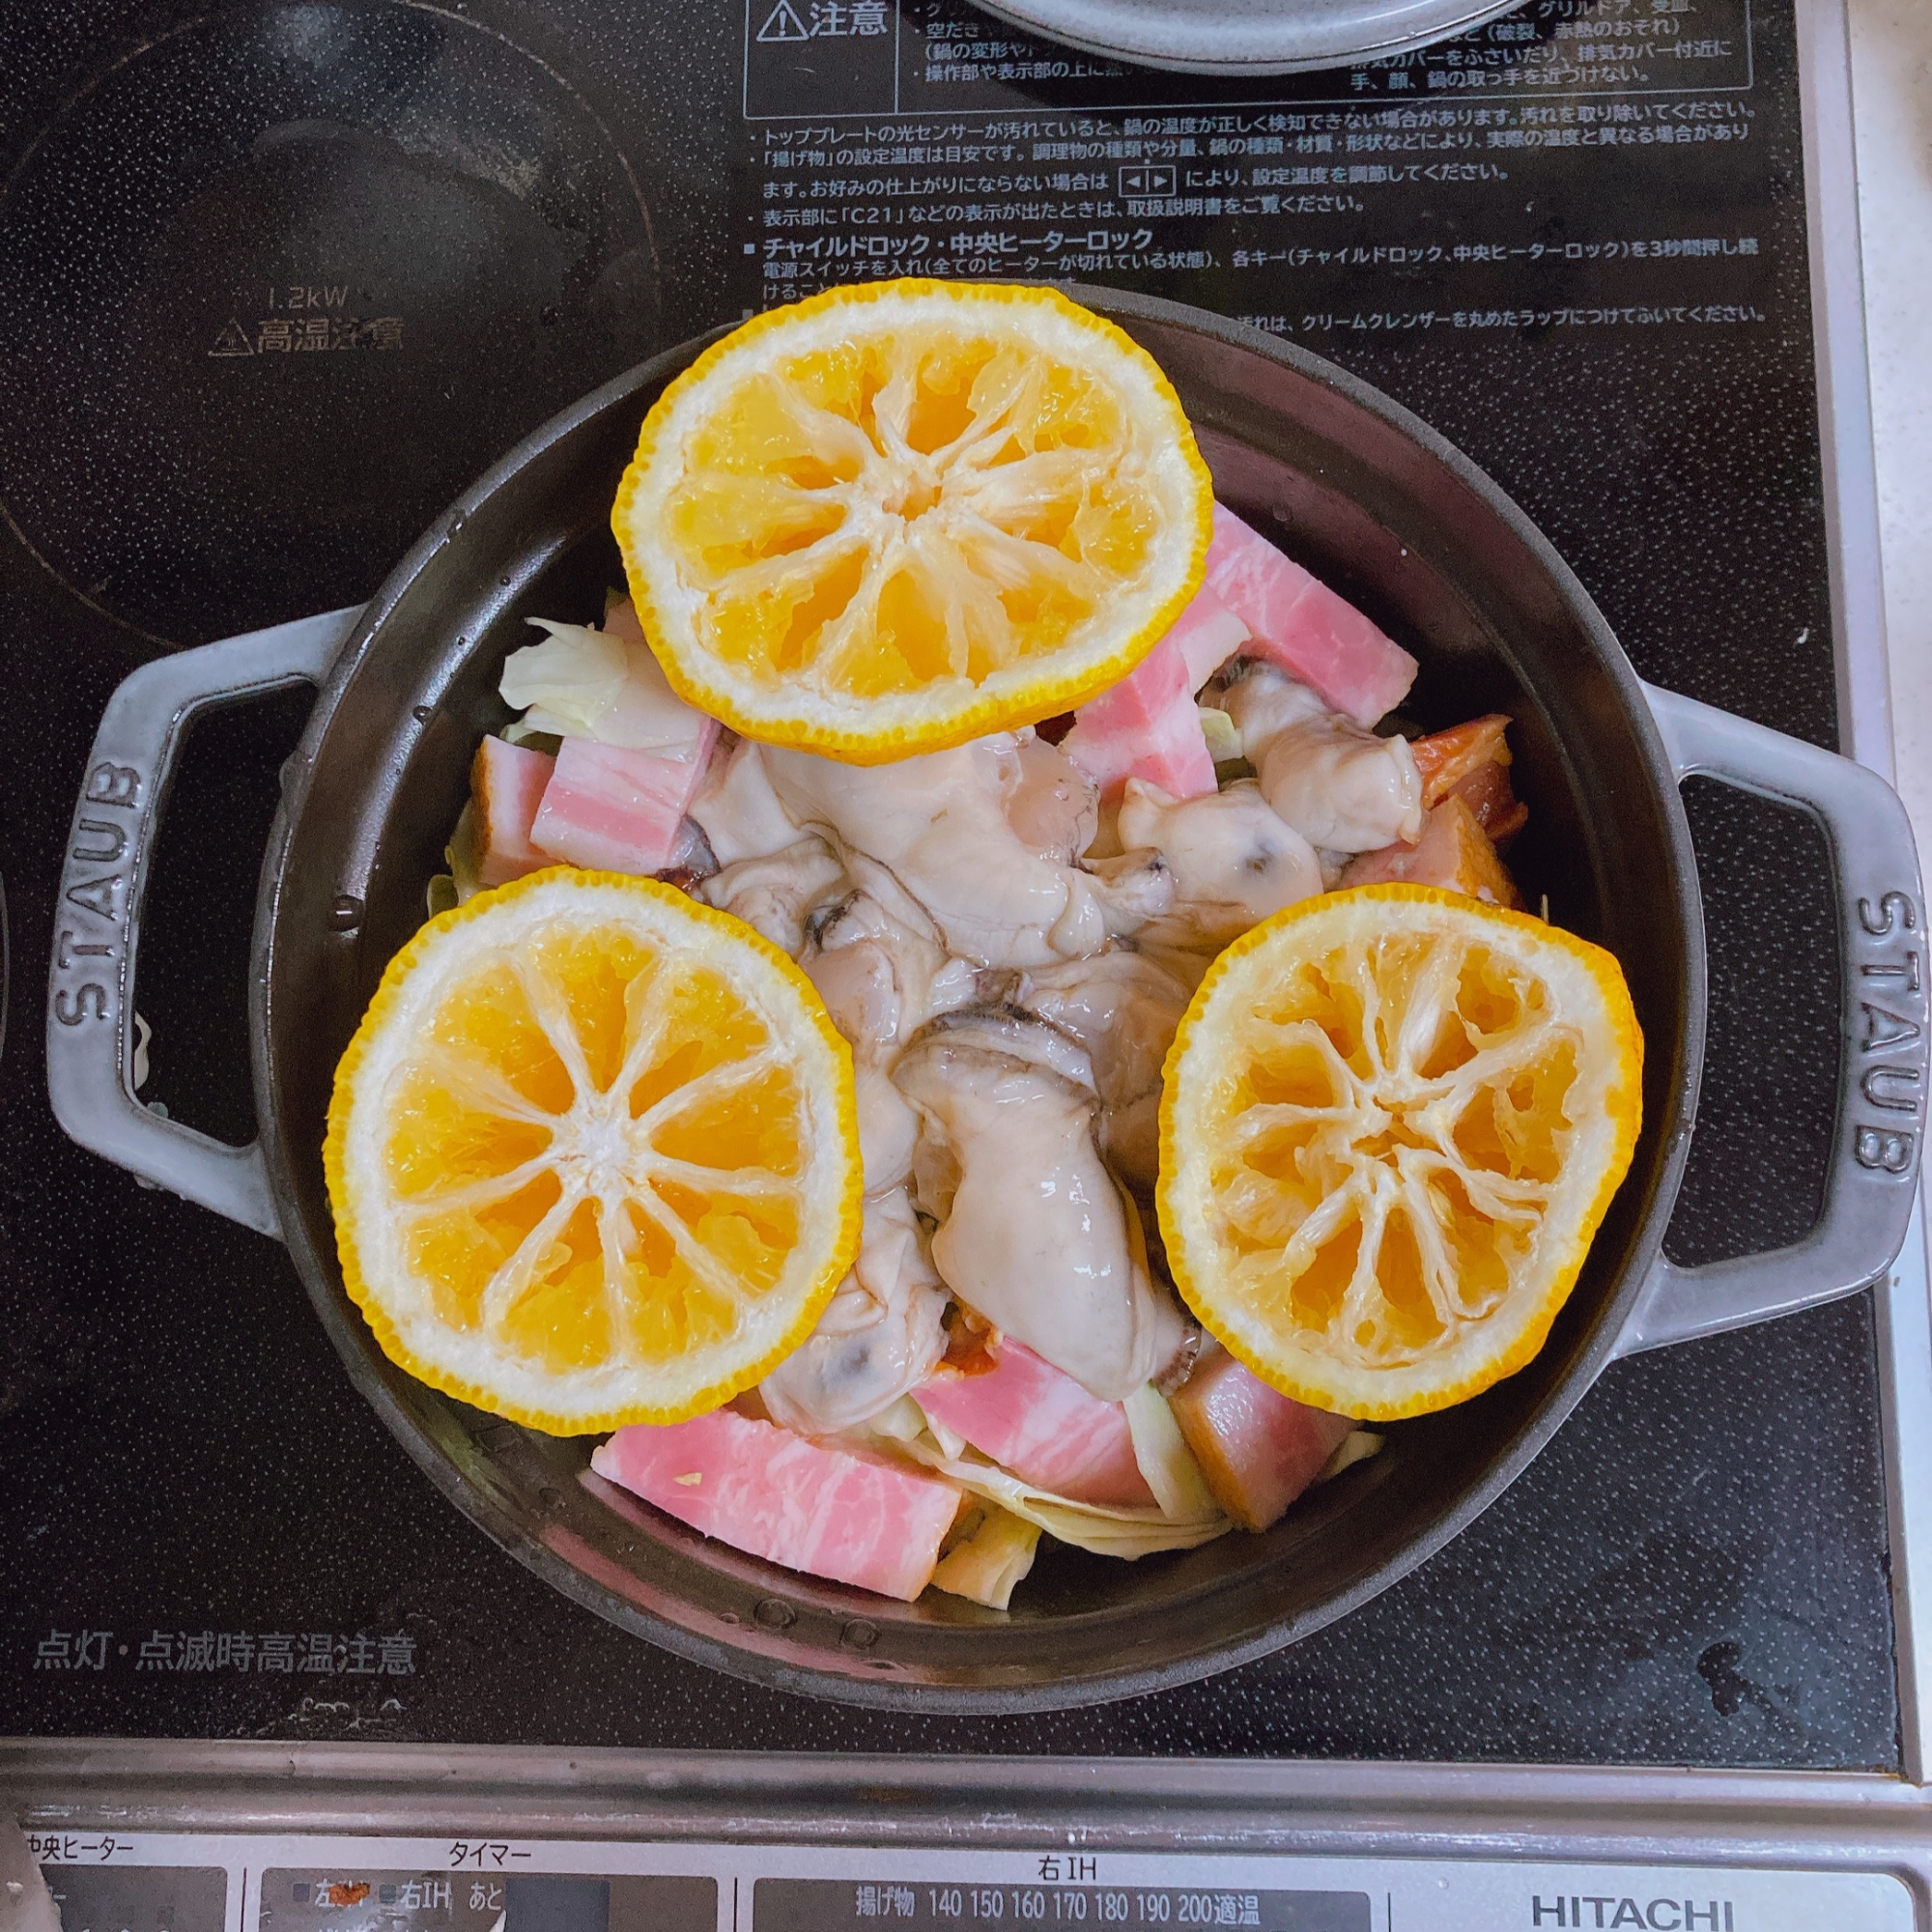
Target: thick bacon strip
(1146,726)
(1042,1425)
(618,810)
(507,783)
(1318,637)
(1206,635)
(823,1509)
(1258,1449)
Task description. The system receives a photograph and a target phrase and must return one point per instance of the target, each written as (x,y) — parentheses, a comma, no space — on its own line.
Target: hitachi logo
(1578,1910)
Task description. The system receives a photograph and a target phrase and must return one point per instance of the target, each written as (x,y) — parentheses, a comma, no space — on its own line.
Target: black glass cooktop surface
(277,279)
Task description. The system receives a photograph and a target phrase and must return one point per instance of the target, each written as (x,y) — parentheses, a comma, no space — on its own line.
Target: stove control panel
(185,1883)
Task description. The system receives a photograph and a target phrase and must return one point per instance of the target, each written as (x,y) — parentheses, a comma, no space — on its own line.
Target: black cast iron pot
(1396,520)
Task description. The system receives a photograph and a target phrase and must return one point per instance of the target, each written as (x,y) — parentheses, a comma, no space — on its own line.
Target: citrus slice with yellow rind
(900,515)
(1393,1119)
(593,1154)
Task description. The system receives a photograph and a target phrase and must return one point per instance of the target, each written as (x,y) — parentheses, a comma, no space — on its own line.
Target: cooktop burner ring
(411,236)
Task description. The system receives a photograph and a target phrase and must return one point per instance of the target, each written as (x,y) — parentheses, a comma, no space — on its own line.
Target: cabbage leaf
(1126,1533)
(985,1565)
(1166,1462)
(581,683)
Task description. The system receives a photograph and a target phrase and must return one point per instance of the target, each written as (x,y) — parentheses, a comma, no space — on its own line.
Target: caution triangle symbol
(783,24)
(233,341)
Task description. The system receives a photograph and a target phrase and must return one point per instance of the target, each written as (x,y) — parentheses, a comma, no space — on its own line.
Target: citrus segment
(593,1154)
(1393,1119)
(896,517)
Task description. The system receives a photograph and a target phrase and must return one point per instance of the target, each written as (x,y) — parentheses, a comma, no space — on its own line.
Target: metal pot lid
(1247,37)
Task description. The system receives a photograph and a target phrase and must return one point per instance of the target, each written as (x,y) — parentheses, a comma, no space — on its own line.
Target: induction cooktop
(278,278)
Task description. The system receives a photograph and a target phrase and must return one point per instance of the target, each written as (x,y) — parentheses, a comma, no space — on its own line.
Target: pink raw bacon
(1206,635)
(614,809)
(1145,728)
(1042,1426)
(1257,1448)
(829,1512)
(507,783)
(1317,638)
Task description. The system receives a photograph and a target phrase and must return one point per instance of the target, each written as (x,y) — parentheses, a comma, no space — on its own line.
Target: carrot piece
(1454,853)
(1445,758)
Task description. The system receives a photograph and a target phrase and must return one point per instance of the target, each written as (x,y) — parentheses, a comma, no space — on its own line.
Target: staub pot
(1397,520)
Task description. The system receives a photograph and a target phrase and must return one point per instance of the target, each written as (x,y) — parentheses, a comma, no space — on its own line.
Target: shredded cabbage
(950,1442)
(1186,1515)
(1223,734)
(985,1565)
(903,1422)
(573,675)
(464,855)
(1106,1531)
(581,683)
(1166,1462)
(1354,1447)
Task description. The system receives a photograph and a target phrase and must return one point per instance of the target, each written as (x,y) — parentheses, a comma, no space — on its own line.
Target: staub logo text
(1604,1913)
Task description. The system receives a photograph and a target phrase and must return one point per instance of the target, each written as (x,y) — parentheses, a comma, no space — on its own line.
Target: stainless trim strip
(1841,1822)
(1864,712)
(1844,383)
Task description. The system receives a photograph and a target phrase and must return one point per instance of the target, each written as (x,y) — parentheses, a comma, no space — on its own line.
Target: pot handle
(1872,1179)
(98,918)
